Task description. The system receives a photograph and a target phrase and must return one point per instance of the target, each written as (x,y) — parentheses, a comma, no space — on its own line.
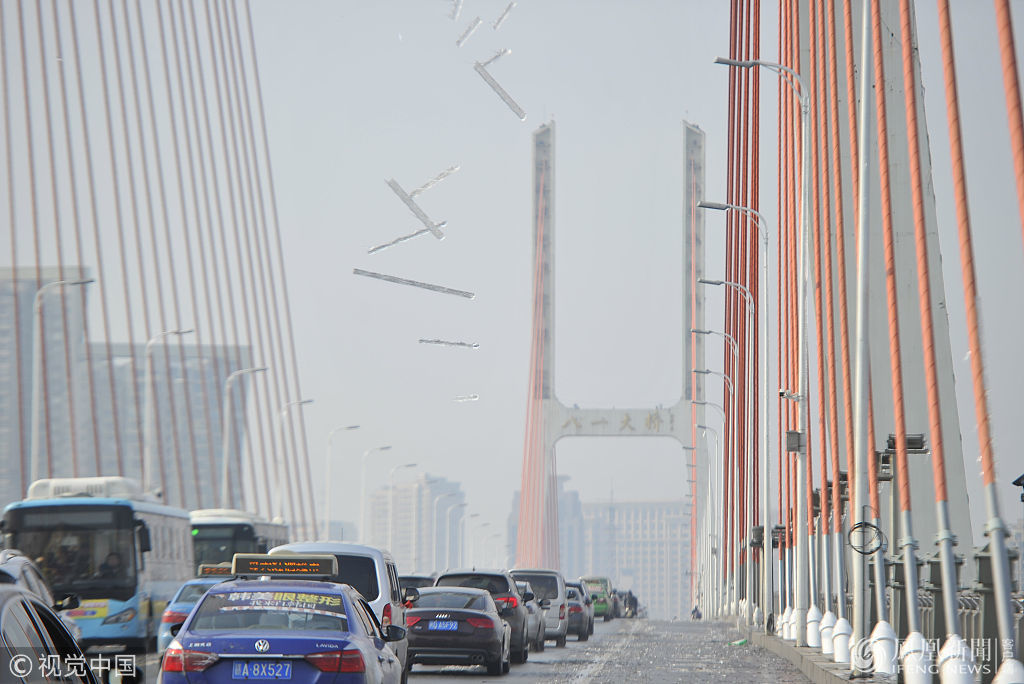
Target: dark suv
(34,634)
(506,595)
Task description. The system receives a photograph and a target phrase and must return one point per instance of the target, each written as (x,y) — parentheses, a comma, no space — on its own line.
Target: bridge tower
(547,418)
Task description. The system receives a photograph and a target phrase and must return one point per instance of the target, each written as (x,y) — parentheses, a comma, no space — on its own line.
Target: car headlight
(120,618)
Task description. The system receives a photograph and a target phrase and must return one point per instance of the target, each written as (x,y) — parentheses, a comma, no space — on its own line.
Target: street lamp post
(768,590)
(748,450)
(226,431)
(151,410)
(799,86)
(433,543)
(448,535)
(391,501)
(713,500)
(362,492)
(37,367)
(280,460)
(327,478)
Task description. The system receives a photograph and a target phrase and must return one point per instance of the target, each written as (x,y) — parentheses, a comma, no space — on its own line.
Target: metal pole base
(813,627)
(883,648)
(956,662)
(1010,672)
(916,659)
(841,641)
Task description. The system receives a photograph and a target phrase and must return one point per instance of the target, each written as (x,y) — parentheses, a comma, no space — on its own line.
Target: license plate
(257,670)
(443,625)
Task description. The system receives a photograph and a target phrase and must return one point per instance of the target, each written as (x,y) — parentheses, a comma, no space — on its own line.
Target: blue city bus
(121,552)
(219,533)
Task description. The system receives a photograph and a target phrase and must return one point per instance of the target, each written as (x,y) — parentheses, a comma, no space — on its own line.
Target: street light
(391,501)
(769,583)
(726,336)
(799,86)
(362,492)
(327,478)
(728,380)
(433,543)
(280,460)
(37,367)
(448,535)
(226,431)
(151,405)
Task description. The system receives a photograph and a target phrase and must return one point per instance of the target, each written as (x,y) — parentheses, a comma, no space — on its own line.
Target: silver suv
(549,585)
(372,573)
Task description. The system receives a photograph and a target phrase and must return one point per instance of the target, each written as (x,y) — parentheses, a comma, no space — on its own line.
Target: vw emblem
(262,646)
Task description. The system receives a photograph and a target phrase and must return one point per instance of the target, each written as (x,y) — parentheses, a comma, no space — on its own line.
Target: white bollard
(916,659)
(841,641)
(758,616)
(828,623)
(956,662)
(883,648)
(1010,672)
(790,632)
(813,627)
(784,623)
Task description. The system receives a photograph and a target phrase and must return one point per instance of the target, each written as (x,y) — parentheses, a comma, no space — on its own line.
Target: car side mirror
(142,530)
(66,602)
(410,594)
(545,603)
(528,596)
(176,628)
(394,633)
(593,597)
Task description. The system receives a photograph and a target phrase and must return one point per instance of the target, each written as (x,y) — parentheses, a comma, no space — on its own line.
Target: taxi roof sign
(298,566)
(214,570)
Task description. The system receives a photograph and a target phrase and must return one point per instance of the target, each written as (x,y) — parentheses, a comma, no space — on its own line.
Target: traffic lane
(553,665)
(641,650)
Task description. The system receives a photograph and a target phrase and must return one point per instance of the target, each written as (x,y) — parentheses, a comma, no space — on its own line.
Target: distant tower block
(547,419)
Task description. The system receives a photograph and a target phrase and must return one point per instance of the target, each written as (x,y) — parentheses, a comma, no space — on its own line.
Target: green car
(601,589)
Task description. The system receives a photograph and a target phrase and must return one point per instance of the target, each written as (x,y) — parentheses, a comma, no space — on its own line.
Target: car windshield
(544,586)
(190,593)
(270,610)
(453,599)
(495,584)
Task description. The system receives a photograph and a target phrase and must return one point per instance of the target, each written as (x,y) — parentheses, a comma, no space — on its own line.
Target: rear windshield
(270,610)
(495,584)
(453,600)
(361,573)
(598,586)
(544,586)
(415,582)
(190,593)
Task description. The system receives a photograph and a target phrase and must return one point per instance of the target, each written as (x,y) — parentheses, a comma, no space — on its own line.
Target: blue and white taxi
(278,620)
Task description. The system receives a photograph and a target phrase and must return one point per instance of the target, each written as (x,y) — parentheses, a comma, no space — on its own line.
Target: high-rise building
(571,536)
(94,398)
(178,416)
(420,522)
(60,421)
(643,546)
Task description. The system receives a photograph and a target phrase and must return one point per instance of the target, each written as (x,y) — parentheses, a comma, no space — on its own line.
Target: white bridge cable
(504,15)
(467,397)
(506,98)
(414,283)
(399,240)
(439,177)
(434,228)
(456,10)
(499,53)
(468,32)
(448,343)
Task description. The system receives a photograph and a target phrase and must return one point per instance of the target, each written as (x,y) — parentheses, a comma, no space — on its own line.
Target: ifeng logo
(262,646)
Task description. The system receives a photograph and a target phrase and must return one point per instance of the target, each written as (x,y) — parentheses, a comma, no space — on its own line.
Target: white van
(372,573)
(549,585)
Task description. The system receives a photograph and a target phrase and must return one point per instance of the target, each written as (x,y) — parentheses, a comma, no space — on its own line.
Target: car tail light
(411,620)
(173,617)
(177,659)
(385,618)
(481,622)
(575,609)
(350,660)
(561,612)
(508,602)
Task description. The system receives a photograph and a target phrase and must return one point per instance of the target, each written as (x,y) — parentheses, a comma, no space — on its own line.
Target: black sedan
(458,626)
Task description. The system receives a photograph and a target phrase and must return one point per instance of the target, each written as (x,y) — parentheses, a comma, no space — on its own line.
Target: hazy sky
(358,92)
